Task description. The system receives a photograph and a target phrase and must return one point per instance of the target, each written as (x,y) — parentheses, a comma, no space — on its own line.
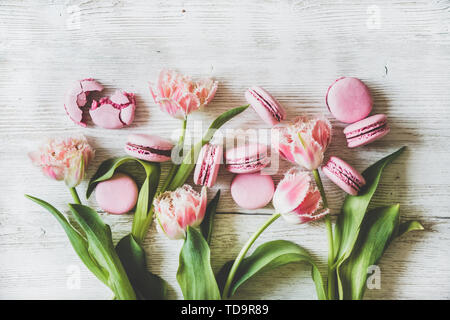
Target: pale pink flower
(304,141)
(64,159)
(179,95)
(297,198)
(176,210)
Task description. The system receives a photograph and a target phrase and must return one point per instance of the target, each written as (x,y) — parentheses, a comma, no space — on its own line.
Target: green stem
(174,168)
(329,234)
(244,251)
(75,196)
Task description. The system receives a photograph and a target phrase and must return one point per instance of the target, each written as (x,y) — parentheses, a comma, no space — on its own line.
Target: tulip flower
(178,95)
(297,199)
(64,159)
(304,141)
(176,210)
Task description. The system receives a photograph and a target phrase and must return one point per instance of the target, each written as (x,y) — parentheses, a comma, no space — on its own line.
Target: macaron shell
(73,101)
(90,85)
(149,141)
(349,100)
(106,116)
(252,190)
(117,195)
(248,167)
(120,97)
(242,153)
(340,177)
(247,158)
(127,114)
(366,131)
(259,101)
(76,98)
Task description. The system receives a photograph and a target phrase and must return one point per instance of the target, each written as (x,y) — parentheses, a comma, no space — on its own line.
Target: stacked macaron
(350,101)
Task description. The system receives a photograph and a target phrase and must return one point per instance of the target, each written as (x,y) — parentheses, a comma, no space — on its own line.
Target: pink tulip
(64,159)
(179,95)
(304,141)
(297,199)
(176,210)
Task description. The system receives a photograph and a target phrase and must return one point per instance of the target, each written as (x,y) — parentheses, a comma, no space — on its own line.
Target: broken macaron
(114,112)
(76,98)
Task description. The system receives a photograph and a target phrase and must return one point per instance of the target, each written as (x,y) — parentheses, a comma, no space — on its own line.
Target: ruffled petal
(291,191)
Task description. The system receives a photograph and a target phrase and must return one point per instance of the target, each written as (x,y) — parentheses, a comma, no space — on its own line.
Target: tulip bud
(176,210)
(178,95)
(64,159)
(304,141)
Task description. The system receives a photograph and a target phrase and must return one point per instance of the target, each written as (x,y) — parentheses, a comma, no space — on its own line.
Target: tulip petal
(291,191)
(293,218)
(310,204)
(303,141)
(321,133)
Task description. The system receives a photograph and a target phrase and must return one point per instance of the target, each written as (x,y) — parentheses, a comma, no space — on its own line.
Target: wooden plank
(295,49)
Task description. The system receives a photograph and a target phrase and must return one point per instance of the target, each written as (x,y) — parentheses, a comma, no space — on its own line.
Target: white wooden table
(294,49)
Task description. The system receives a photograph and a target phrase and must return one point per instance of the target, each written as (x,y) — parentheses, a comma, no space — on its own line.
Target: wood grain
(294,49)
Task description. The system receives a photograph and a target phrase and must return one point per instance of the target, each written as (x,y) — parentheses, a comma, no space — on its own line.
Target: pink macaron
(349,100)
(117,195)
(149,147)
(114,112)
(252,190)
(76,98)
(208,165)
(366,131)
(267,107)
(344,175)
(247,158)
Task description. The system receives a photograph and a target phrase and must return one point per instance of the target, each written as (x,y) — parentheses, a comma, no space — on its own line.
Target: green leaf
(268,256)
(190,159)
(195,275)
(143,213)
(377,231)
(379,228)
(408,226)
(354,208)
(146,285)
(207,223)
(101,248)
(78,241)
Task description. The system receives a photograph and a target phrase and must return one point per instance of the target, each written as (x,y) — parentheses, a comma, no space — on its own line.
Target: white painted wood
(294,49)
